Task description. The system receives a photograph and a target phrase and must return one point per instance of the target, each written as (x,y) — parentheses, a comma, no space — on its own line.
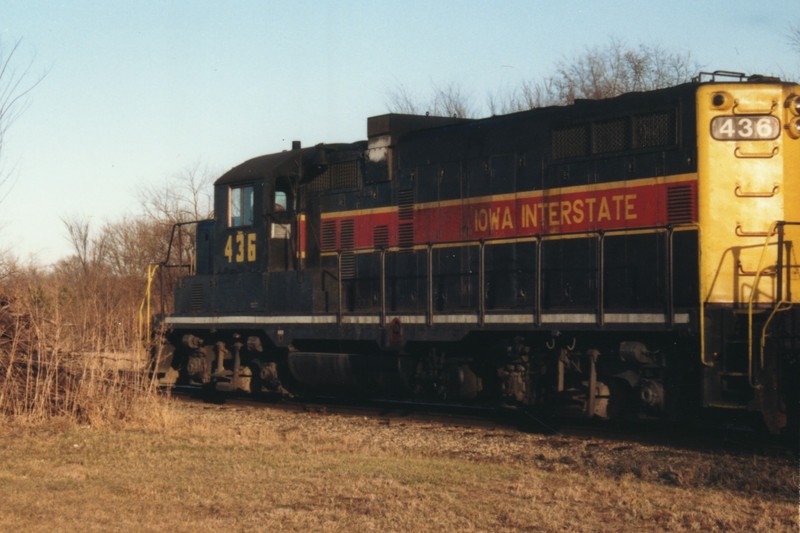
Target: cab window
(281,227)
(281,202)
(240,209)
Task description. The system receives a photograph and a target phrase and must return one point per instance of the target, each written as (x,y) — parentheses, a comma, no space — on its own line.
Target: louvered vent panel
(680,204)
(328,235)
(380,236)
(406,234)
(347,239)
(405,204)
(348,265)
(196,298)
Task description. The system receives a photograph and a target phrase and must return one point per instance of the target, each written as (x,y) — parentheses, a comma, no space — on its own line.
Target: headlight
(793,104)
(721,100)
(793,127)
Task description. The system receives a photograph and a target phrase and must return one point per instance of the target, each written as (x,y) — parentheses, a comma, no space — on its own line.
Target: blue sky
(137,92)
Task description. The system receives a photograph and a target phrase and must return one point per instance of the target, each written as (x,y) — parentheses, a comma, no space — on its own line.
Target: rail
(480,310)
(177,233)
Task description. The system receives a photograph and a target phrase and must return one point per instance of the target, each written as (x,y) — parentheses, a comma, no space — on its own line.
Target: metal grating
(610,136)
(680,204)
(345,174)
(570,142)
(339,175)
(655,129)
(320,183)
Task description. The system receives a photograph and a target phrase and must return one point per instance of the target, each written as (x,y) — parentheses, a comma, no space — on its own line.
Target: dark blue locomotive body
(548,259)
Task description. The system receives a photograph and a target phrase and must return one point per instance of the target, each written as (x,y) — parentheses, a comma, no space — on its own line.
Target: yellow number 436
(241,247)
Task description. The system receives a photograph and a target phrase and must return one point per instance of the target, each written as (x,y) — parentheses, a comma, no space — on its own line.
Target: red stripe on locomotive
(526,214)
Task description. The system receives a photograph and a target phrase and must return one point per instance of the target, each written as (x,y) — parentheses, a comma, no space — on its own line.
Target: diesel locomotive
(625,257)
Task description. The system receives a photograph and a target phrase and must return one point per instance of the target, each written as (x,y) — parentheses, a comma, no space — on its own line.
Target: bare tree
(186,196)
(105,278)
(616,68)
(528,95)
(123,249)
(401,100)
(15,87)
(599,72)
(794,38)
(445,100)
(91,248)
(794,41)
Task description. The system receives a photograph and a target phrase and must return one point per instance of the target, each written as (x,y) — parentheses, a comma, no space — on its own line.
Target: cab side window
(240,207)
(281,227)
(281,202)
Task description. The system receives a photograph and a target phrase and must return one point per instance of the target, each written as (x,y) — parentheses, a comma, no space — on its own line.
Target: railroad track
(388,410)
(715,437)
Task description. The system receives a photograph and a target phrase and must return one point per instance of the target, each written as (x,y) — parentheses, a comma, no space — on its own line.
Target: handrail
(702,306)
(737,191)
(739,109)
(741,154)
(145,307)
(178,226)
(742,233)
(481,309)
(770,270)
(781,306)
(145,314)
(772,229)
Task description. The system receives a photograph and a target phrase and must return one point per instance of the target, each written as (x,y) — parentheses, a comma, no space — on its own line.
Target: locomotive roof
(284,163)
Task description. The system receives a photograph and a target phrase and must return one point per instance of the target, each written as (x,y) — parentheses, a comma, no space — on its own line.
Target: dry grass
(209,468)
(45,368)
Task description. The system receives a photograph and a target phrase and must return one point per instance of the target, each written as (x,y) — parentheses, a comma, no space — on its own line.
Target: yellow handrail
(753,292)
(701,293)
(145,308)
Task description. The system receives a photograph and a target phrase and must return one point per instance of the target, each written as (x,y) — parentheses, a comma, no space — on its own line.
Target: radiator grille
(569,142)
(345,174)
(339,175)
(655,129)
(611,136)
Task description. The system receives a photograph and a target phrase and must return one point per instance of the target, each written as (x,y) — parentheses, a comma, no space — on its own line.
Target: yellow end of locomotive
(748,161)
